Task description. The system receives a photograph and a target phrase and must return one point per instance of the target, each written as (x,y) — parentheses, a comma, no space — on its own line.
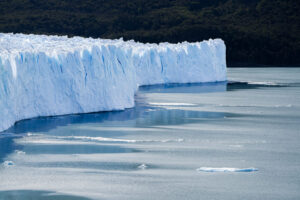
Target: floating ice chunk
(265,83)
(87,139)
(8,163)
(29,134)
(142,166)
(19,152)
(225,169)
(150,110)
(236,145)
(169,140)
(100,139)
(104,139)
(283,106)
(50,141)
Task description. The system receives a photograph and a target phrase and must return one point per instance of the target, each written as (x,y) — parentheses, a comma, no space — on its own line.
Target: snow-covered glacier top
(54,75)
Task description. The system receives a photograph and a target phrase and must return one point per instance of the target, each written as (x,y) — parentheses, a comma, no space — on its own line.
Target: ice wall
(53,75)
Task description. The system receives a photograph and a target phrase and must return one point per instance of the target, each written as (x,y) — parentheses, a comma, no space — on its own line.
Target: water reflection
(8,146)
(75,149)
(107,166)
(185,87)
(45,124)
(142,115)
(235,85)
(161,116)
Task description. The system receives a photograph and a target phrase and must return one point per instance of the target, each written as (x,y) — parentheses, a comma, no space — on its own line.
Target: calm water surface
(153,151)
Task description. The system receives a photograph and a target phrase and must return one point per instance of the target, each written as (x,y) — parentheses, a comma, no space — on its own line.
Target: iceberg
(55,75)
(8,163)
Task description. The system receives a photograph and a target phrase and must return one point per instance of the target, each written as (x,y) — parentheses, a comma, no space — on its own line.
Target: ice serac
(53,75)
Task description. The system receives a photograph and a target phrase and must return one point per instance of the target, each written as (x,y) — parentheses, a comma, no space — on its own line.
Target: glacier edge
(56,75)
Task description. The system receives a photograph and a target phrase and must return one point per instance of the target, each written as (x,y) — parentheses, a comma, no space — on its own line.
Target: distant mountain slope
(256,32)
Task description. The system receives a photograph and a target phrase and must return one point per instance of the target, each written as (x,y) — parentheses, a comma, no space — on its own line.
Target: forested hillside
(256,32)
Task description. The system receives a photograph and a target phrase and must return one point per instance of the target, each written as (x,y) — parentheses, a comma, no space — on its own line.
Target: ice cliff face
(51,75)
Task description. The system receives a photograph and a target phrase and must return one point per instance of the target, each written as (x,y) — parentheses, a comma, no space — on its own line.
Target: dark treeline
(256,32)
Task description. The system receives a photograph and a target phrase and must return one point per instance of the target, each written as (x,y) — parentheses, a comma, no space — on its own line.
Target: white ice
(56,75)
(226,169)
(8,163)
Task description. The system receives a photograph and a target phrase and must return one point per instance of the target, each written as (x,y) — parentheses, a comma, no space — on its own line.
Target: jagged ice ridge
(55,75)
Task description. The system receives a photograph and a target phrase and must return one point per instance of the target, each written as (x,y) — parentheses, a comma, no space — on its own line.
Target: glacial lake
(230,140)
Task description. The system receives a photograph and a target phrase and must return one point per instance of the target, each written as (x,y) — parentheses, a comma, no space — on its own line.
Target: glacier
(56,75)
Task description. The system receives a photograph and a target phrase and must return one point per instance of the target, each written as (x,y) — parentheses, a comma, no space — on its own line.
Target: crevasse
(55,75)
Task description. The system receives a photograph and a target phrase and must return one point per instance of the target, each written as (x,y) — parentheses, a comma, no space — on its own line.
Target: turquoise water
(174,144)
